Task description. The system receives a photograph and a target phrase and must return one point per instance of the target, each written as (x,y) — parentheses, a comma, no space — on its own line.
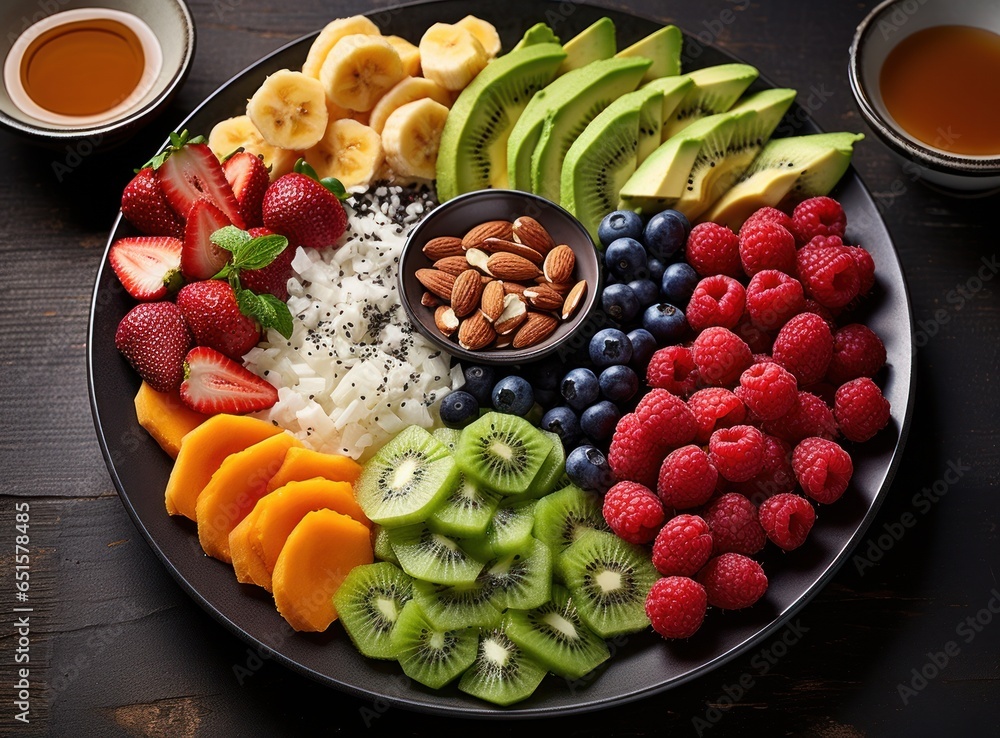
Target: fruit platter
(487,537)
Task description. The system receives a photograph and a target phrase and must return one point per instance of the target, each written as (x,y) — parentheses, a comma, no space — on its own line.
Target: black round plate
(642,664)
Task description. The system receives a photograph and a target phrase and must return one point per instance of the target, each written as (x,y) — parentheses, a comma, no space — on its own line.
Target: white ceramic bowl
(877,35)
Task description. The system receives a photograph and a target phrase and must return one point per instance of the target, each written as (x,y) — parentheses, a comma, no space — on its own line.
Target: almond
(442,247)
(531,233)
(492,302)
(537,327)
(445,320)
(544,297)
(429,300)
(496,245)
(438,282)
(490,229)
(573,299)
(475,332)
(513,288)
(562,288)
(514,313)
(503,341)
(478,259)
(559,264)
(466,292)
(511,266)
(454,265)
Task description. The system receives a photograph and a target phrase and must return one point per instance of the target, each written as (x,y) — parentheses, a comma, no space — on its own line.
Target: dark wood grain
(119,649)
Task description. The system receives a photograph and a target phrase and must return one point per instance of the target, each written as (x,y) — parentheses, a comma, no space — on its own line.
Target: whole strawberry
(210,309)
(154,338)
(146,207)
(273,278)
(304,211)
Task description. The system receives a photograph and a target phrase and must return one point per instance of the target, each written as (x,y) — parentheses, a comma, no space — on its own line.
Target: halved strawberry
(191,173)
(249,178)
(147,266)
(200,258)
(146,207)
(214,383)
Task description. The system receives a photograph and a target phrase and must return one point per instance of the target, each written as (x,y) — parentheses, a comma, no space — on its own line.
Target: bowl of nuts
(499,276)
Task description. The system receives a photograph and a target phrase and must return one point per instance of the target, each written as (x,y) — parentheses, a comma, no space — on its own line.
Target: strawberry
(249,178)
(200,258)
(147,266)
(154,338)
(210,309)
(214,383)
(272,278)
(189,171)
(145,206)
(304,210)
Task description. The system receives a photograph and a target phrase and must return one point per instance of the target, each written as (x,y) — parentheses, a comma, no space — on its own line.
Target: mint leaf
(267,310)
(230,238)
(257,253)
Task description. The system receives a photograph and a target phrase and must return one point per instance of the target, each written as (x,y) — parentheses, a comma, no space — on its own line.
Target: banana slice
(484,31)
(408,90)
(412,135)
(451,56)
(359,70)
(350,151)
(289,110)
(239,132)
(336,113)
(330,35)
(408,54)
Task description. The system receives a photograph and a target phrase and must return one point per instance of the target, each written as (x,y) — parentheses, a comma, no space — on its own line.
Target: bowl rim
(63,133)
(510,356)
(933,159)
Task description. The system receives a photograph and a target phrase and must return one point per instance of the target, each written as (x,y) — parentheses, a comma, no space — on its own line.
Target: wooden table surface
(902,641)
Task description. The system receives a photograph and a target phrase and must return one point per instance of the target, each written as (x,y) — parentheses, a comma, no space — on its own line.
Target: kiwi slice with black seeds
(448,436)
(457,605)
(503,452)
(508,532)
(381,546)
(368,604)
(430,655)
(563,515)
(501,672)
(520,580)
(467,511)
(433,557)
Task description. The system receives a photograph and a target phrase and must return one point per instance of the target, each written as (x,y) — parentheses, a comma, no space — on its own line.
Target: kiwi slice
(457,605)
(501,672)
(381,545)
(596,41)
(553,468)
(715,90)
(508,532)
(448,436)
(467,511)
(502,452)
(520,580)
(562,516)
(430,655)
(406,479)
(608,580)
(555,636)
(433,557)
(368,604)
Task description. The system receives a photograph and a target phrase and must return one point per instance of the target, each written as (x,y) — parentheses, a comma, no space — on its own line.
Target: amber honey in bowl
(942,86)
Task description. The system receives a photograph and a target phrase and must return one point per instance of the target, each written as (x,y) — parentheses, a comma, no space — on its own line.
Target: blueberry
(625,258)
(564,423)
(479,381)
(513,395)
(610,346)
(580,388)
(666,322)
(458,409)
(620,302)
(598,421)
(619,224)
(665,233)
(646,290)
(619,383)
(587,467)
(655,267)
(643,348)
(678,283)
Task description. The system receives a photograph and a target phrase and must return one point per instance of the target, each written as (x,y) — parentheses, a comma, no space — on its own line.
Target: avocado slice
(540,33)
(715,90)
(674,90)
(596,41)
(663,46)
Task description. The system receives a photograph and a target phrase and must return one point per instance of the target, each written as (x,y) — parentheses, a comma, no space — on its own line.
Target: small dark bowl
(459,215)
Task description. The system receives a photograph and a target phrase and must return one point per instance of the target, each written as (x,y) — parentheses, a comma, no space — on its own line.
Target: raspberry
(857,352)
(866,268)
(776,475)
(676,606)
(823,469)
(734,524)
(715,407)
(687,478)
(661,422)
(860,409)
(672,368)
(682,546)
(714,249)
(829,316)
(667,418)
(828,272)
(716,300)
(766,245)
(737,452)
(732,581)
(773,298)
(631,455)
(757,339)
(818,216)
(804,346)
(787,520)
(768,390)
(721,356)
(809,416)
(768,215)
(633,512)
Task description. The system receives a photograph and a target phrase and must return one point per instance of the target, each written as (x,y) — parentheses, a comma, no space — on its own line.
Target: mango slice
(165,417)
(304,463)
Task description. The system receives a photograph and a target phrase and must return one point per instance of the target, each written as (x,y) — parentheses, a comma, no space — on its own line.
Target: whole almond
(475,332)
(490,229)
(492,302)
(496,245)
(514,313)
(573,299)
(544,297)
(429,300)
(445,320)
(559,264)
(536,329)
(466,292)
(438,282)
(510,266)
(454,265)
(442,247)
(531,233)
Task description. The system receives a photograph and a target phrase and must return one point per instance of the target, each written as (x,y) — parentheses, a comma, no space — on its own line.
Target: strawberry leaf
(177,142)
(332,184)
(267,310)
